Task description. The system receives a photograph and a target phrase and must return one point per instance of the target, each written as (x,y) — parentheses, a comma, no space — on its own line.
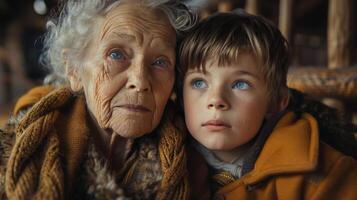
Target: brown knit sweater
(155,165)
(94,180)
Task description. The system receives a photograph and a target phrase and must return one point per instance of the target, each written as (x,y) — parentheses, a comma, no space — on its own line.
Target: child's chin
(216,147)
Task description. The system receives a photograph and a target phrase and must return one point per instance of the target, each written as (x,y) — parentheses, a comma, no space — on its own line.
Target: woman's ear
(74,79)
(71,72)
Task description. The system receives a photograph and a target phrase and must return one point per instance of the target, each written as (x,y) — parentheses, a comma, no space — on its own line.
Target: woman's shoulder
(7,140)
(31,97)
(7,133)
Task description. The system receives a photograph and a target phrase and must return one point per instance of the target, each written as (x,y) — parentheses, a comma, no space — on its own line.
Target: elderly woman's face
(128,70)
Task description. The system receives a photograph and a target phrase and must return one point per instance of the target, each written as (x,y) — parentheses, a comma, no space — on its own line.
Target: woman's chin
(131,132)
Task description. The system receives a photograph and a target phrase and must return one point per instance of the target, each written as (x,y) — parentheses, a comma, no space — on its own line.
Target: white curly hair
(70,31)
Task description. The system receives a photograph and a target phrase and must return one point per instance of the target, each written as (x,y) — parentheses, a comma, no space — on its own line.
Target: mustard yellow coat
(294,164)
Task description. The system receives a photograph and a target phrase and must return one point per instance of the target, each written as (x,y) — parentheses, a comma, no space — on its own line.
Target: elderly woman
(96,132)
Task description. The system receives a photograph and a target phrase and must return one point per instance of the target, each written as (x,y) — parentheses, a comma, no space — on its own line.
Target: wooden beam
(339,40)
(339,33)
(252,6)
(322,82)
(286,18)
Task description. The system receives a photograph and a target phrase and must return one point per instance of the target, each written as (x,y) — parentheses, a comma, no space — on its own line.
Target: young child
(236,108)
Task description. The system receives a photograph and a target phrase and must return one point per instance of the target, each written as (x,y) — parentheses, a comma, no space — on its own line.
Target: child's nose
(217,102)
(218,106)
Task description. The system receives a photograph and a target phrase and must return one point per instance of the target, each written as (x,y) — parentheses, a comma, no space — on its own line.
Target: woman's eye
(161,63)
(116,55)
(241,85)
(199,84)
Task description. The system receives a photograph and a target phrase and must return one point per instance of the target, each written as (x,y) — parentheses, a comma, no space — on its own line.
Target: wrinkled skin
(127,73)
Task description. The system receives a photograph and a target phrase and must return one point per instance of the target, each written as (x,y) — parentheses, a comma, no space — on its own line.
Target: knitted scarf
(35,170)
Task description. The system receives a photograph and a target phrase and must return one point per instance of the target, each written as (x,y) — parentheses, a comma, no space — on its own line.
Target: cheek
(162,89)
(100,92)
(110,87)
(109,83)
(191,109)
(190,119)
(115,67)
(250,117)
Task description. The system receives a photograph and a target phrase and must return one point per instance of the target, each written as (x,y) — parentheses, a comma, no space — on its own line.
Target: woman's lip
(134,108)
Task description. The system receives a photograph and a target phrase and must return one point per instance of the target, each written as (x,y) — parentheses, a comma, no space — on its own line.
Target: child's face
(226,105)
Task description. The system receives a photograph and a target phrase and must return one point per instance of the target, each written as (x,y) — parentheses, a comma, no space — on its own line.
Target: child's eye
(199,84)
(116,54)
(241,85)
(161,63)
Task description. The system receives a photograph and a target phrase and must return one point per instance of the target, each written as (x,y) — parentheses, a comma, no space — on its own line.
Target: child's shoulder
(330,158)
(335,174)
(333,129)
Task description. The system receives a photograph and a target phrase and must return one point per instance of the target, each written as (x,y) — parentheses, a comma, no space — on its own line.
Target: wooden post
(286,18)
(339,35)
(225,6)
(252,6)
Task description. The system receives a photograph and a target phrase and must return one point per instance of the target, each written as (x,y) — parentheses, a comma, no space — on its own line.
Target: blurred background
(321,32)
(22,23)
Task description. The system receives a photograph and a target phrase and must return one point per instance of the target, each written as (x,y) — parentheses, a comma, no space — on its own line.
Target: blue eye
(241,85)
(199,84)
(116,55)
(161,63)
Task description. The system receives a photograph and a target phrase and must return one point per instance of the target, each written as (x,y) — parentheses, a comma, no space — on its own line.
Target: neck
(230,156)
(110,144)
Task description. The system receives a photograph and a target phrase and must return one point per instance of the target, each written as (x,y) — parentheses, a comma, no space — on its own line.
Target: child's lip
(216,124)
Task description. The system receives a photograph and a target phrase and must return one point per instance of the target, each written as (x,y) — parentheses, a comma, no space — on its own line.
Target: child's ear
(282,104)
(71,73)
(173,96)
(284,100)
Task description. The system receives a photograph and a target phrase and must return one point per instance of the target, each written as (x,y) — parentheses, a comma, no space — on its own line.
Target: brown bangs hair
(223,36)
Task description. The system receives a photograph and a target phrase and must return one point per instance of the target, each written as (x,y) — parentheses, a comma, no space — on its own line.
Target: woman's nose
(217,101)
(138,80)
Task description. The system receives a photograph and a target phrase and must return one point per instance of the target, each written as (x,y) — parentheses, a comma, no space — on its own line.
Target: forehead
(242,61)
(135,21)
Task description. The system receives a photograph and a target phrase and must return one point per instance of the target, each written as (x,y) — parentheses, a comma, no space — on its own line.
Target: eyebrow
(133,37)
(126,36)
(247,73)
(189,72)
(165,44)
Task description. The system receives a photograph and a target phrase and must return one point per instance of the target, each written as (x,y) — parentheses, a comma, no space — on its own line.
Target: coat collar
(292,147)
